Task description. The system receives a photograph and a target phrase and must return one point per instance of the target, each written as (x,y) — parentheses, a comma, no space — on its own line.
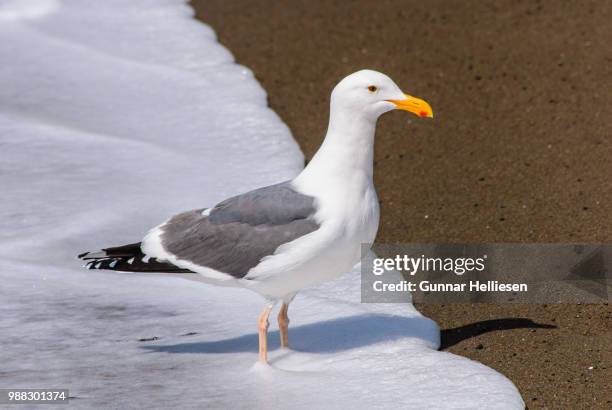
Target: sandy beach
(519,150)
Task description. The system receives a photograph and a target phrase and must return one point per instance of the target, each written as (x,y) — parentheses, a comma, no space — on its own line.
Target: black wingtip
(127,258)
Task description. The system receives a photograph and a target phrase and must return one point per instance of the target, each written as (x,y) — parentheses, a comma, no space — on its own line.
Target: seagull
(281,238)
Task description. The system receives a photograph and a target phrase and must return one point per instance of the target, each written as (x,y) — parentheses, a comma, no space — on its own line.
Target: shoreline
(518,152)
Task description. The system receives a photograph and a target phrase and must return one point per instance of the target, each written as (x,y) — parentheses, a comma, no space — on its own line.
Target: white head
(348,149)
(372,94)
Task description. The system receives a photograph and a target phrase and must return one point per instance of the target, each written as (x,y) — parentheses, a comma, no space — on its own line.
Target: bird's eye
(372,88)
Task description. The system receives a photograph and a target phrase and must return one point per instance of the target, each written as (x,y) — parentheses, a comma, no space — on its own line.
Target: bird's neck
(347,151)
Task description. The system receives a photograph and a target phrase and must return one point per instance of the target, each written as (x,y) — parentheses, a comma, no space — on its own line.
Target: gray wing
(240,231)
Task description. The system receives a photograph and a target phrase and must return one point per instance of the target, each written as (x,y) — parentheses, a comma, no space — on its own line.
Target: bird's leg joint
(263,319)
(283,318)
(264,324)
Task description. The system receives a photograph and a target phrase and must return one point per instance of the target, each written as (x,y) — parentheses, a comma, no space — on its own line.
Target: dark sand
(520,149)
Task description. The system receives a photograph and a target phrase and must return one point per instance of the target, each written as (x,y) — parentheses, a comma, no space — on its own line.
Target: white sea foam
(14,10)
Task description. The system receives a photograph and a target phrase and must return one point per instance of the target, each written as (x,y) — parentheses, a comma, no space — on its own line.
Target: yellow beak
(414,105)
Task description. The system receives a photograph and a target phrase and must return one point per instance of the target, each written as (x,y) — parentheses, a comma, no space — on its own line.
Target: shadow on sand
(450,337)
(321,337)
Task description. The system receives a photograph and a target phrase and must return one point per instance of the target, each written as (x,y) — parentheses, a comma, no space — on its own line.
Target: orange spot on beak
(418,107)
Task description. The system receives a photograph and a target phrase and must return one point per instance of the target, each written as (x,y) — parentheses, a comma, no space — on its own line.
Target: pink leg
(283,325)
(263,333)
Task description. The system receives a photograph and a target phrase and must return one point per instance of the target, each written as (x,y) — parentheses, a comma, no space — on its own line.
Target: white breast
(348,216)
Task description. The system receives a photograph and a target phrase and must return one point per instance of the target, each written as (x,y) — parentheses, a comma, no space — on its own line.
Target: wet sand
(519,151)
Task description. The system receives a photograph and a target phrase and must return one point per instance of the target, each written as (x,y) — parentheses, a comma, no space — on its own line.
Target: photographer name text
(427,286)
